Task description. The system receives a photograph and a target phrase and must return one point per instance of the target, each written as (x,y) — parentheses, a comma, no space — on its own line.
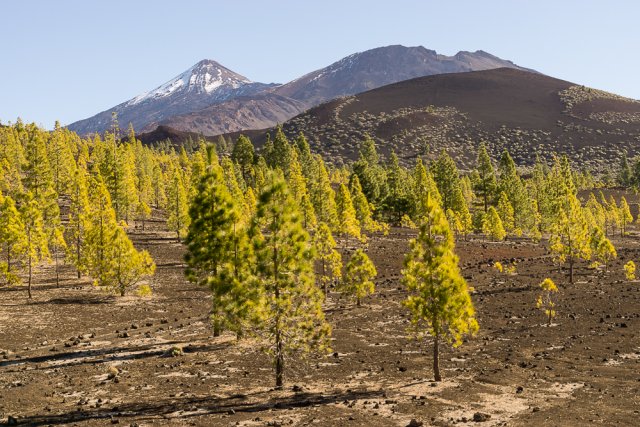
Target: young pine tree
(359,273)
(13,240)
(438,294)
(625,216)
(492,225)
(127,266)
(329,258)
(292,315)
(545,300)
(570,239)
(630,270)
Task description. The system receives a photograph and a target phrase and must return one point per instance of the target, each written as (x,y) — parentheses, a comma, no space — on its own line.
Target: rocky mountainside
(382,66)
(211,99)
(526,112)
(206,83)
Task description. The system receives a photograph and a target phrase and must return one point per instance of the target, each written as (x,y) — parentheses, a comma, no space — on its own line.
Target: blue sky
(70,59)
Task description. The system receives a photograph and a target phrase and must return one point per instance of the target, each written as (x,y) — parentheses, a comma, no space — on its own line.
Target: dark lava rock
(480,417)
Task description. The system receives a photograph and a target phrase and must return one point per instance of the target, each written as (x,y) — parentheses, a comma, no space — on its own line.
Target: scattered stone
(480,417)
(12,421)
(415,423)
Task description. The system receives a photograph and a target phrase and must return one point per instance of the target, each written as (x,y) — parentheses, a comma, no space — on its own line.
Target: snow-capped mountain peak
(205,77)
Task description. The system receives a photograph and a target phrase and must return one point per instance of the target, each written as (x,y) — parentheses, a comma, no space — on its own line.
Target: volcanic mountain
(526,112)
(206,83)
(211,99)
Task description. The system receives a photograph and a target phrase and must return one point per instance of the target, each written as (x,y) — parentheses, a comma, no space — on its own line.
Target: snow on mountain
(204,77)
(206,83)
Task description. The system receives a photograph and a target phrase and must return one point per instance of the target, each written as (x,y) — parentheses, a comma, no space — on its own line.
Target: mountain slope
(205,84)
(509,108)
(382,66)
(256,112)
(211,99)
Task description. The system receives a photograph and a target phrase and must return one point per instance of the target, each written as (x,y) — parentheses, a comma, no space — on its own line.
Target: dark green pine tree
(210,238)
(292,316)
(485,186)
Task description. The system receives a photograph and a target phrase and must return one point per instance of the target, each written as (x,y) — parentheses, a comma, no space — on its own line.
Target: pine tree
(423,185)
(78,220)
(13,240)
(545,301)
(359,273)
(492,225)
(486,184)
(212,240)
(364,210)
(397,202)
(630,270)
(505,210)
(602,247)
(323,197)
(446,176)
(512,185)
(439,296)
(126,265)
(329,258)
(624,173)
(243,154)
(99,234)
(36,238)
(371,174)
(61,159)
(570,234)
(177,206)
(625,216)
(348,224)
(292,312)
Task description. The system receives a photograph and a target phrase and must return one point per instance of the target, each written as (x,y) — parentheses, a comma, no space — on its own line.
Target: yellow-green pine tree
(36,238)
(329,258)
(348,224)
(505,210)
(127,265)
(630,270)
(625,216)
(177,205)
(570,239)
(492,225)
(359,273)
(439,299)
(292,315)
(78,219)
(13,240)
(546,301)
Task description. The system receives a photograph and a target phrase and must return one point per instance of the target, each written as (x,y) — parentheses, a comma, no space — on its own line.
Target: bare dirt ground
(59,352)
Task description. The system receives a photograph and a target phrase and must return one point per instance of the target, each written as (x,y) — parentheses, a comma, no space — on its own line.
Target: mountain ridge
(266,104)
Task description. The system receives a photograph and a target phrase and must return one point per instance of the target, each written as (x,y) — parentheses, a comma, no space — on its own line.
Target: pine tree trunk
(326,285)
(571,270)
(436,360)
(57,271)
(279,361)
(358,301)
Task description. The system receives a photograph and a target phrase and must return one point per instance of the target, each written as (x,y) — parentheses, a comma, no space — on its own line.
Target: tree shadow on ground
(103,355)
(208,405)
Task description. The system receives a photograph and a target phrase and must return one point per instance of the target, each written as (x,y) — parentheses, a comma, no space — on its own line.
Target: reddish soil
(58,351)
